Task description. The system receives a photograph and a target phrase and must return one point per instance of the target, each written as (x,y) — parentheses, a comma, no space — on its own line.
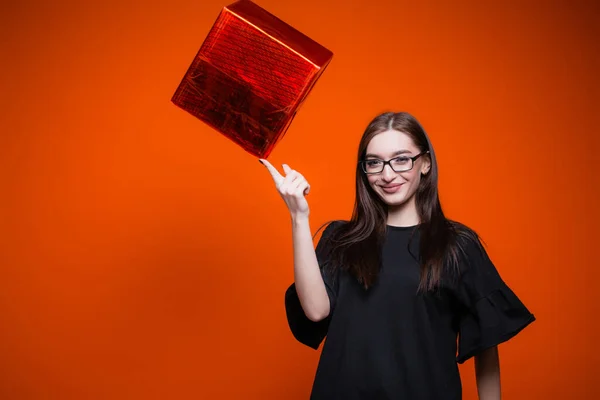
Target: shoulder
(330,233)
(331,227)
(327,243)
(336,223)
(471,252)
(466,237)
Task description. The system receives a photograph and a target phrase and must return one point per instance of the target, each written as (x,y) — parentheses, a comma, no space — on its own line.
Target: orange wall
(145,256)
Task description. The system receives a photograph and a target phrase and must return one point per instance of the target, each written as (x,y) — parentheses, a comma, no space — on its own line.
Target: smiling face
(395,188)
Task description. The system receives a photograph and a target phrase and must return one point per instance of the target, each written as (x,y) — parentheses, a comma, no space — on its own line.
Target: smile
(392,188)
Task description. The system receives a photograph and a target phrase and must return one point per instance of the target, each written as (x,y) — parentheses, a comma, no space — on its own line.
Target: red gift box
(250,76)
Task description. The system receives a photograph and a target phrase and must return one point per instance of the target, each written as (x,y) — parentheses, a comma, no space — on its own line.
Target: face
(396,188)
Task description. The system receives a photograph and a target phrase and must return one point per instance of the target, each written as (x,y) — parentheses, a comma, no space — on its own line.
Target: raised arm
(310,287)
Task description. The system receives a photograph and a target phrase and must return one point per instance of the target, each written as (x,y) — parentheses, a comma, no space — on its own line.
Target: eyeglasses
(398,164)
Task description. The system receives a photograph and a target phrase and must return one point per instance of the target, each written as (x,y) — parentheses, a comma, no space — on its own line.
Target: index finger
(277,177)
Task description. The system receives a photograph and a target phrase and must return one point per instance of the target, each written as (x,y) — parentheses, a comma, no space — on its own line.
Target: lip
(392,188)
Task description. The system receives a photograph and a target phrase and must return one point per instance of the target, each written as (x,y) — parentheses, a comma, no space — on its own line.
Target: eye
(373,163)
(401,161)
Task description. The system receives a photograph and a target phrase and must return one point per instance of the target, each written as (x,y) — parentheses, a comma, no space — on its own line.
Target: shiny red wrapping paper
(250,76)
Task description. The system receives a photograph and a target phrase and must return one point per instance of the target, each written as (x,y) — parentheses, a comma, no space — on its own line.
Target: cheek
(411,176)
(414,180)
(372,179)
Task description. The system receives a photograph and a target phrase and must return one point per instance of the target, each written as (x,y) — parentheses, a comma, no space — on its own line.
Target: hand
(292,188)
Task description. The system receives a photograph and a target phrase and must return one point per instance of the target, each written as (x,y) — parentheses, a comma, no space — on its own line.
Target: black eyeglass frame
(388,162)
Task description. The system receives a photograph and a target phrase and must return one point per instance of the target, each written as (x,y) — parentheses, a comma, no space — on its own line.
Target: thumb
(286,169)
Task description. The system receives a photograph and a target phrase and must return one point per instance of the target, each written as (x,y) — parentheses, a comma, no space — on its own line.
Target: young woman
(402,293)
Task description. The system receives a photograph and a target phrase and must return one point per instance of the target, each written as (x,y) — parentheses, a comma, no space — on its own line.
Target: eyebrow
(397,153)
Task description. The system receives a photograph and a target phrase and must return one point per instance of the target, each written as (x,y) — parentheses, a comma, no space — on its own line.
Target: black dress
(391,342)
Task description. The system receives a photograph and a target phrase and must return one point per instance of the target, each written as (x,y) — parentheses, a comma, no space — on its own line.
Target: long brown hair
(356,245)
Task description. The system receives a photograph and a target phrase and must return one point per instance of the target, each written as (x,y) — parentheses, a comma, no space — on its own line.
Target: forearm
(307,275)
(487,373)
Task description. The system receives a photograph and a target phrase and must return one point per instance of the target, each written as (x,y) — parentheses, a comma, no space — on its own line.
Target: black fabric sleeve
(304,330)
(492,313)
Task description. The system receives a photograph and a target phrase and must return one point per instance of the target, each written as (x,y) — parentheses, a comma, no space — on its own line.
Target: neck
(404,214)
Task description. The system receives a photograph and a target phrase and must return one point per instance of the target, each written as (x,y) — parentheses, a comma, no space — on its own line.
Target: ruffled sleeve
(304,330)
(491,312)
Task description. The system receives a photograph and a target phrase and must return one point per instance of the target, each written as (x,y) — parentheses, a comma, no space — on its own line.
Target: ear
(426,166)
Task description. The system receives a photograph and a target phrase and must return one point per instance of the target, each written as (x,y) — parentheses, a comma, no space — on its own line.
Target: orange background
(145,256)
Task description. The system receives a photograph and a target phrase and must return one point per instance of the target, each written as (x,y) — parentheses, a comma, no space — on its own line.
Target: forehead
(390,142)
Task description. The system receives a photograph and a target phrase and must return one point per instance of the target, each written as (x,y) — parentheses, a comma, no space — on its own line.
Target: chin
(393,200)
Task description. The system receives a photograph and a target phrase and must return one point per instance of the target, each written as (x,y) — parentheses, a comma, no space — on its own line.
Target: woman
(397,285)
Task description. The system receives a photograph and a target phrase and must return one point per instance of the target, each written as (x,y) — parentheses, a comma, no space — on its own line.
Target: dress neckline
(401,228)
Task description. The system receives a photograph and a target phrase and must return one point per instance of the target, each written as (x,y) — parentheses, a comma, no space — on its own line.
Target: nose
(388,174)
